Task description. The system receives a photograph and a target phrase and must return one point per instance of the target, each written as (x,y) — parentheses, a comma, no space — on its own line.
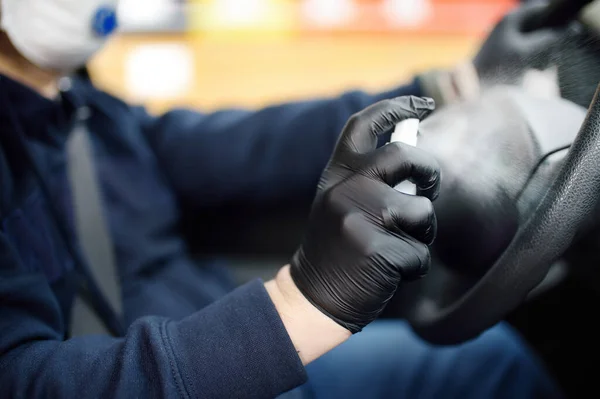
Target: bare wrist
(312,332)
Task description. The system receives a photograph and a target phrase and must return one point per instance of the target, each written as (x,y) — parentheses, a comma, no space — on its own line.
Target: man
(182,332)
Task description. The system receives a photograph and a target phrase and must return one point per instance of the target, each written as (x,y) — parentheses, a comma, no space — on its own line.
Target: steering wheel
(549,227)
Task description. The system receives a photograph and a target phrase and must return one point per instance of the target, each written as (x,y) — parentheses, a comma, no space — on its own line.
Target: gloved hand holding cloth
(364,237)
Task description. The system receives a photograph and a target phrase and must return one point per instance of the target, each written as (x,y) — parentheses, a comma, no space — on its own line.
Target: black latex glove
(364,237)
(509,50)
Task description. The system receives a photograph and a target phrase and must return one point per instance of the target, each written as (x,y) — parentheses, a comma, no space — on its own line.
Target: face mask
(58,34)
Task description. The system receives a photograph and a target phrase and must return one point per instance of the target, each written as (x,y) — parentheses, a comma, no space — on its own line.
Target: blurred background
(215,53)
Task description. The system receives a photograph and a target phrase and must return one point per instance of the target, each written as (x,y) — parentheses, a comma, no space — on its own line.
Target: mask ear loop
(89,290)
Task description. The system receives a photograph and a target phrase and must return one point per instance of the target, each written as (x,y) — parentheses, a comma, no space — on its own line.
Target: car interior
(532,264)
(519,240)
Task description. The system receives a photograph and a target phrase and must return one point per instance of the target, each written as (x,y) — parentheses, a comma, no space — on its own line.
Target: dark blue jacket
(186,336)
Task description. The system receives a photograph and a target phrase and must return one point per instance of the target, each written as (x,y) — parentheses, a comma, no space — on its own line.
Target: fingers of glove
(404,254)
(420,269)
(361,131)
(410,258)
(526,32)
(537,44)
(412,215)
(526,16)
(396,162)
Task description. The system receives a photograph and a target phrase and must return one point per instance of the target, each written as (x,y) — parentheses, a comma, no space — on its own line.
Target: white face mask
(58,34)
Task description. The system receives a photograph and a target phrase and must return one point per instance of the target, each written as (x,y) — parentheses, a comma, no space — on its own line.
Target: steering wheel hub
(520,206)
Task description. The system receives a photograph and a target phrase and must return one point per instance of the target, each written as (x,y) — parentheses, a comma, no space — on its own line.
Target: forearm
(235,347)
(312,333)
(254,157)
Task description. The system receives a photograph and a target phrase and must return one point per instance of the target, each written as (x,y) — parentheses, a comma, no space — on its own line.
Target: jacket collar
(43,119)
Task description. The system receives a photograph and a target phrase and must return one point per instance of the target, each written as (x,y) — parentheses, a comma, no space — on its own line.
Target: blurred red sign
(419,16)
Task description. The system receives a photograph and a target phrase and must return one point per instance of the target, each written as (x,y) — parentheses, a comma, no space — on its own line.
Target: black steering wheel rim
(565,208)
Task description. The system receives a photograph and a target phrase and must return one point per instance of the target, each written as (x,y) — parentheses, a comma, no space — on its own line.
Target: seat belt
(92,231)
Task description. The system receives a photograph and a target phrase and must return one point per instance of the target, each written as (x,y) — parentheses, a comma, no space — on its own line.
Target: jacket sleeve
(236,347)
(265,156)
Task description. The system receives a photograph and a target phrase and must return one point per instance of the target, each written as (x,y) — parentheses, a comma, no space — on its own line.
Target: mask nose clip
(104,21)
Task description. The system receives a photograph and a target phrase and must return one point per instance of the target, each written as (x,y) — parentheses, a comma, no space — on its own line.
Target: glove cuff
(308,284)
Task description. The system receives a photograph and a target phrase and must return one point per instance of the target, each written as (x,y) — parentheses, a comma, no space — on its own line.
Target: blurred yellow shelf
(208,72)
